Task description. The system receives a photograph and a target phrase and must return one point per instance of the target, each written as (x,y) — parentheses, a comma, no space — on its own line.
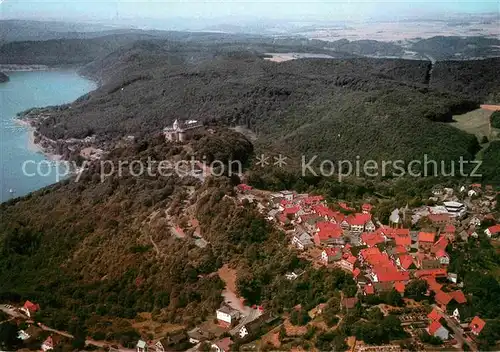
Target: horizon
(237,12)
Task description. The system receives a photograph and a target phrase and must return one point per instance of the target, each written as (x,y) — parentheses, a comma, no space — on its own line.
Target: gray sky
(278,9)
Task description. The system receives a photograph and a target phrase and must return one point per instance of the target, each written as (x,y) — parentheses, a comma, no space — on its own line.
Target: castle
(182,131)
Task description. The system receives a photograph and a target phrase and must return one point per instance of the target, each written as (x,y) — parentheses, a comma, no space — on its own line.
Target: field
(477,123)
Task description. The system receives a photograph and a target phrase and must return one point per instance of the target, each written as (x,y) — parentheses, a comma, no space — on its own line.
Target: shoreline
(34,146)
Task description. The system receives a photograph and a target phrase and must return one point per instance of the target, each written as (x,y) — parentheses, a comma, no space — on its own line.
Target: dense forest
(310,106)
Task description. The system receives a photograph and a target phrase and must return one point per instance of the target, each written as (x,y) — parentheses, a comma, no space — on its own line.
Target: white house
(227,315)
(302,241)
(288,195)
(23,335)
(141,346)
(48,344)
(456,315)
(243,331)
(475,221)
(438,330)
(472,193)
(492,231)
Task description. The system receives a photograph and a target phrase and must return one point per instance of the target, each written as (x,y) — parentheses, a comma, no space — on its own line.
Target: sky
(95,10)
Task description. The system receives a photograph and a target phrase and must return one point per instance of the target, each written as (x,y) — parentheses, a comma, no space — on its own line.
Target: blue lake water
(26,90)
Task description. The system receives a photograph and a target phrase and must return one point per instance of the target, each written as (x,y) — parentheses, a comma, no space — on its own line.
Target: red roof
(477,324)
(323,211)
(399,286)
(400,250)
(369,290)
(476,185)
(442,298)
(345,206)
(440,272)
(358,219)
(328,230)
(330,252)
(31,307)
(405,261)
(440,244)
(313,199)
(434,315)
(224,344)
(367,207)
(371,239)
(432,283)
(458,296)
(292,210)
(439,217)
(441,253)
(244,187)
(356,271)
(434,326)
(49,342)
(426,237)
(351,259)
(403,240)
(494,229)
(450,228)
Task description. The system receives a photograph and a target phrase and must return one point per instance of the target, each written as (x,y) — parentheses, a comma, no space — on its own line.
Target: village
(411,246)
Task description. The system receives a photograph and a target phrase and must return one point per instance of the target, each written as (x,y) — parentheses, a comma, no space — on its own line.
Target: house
(257,326)
(48,344)
(456,315)
(328,233)
(368,290)
(477,325)
(400,287)
(288,195)
(244,188)
(475,221)
(458,296)
(472,193)
(439,272)
(434,315)
(394,218)
(426,239)
(170,341)
(197,335)
(324,212)
(372,239)
(223,345)
(182,131)
(366,208)
(439,220)
(330,255)
(347,262)
(302,240)
(358,223)
(293,275)
(492,231)
(437,330)
(404,261)
(23,335)
(443,257)
(453,277)
(442,299)
(30,308)
(455,209)
(227,316)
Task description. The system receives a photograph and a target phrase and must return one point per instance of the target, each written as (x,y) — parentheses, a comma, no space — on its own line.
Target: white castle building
(182,131)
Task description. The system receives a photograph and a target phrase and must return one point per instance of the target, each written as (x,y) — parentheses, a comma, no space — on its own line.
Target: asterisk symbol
(280,160)
(262,160)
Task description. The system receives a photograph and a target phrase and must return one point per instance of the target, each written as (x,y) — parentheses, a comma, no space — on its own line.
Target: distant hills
(438,47)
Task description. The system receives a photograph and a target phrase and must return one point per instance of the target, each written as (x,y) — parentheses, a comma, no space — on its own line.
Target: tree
(8,337)
(416,290)
(299,317)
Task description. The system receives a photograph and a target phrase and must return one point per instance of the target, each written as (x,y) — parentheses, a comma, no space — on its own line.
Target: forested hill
(374,108)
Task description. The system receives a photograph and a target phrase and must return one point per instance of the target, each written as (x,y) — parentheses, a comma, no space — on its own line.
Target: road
(457,330)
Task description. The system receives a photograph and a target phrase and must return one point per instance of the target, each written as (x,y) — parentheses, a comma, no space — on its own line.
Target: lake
(27,89)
